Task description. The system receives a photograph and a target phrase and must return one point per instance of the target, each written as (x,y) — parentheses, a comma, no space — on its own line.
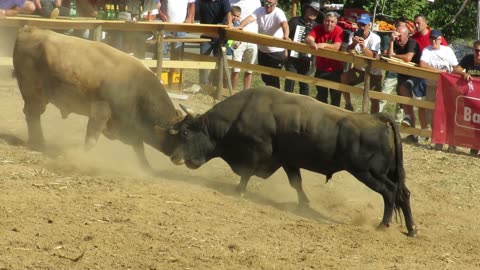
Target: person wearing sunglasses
(469,67)
(272,22)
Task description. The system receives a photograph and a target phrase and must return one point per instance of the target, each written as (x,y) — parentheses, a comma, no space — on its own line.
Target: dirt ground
(70,209)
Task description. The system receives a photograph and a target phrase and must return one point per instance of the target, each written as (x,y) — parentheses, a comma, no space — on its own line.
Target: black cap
(435,33)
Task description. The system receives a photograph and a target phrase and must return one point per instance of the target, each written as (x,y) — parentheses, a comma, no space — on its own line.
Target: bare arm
(460,70)
(246,21)
(286,30)
(190,13)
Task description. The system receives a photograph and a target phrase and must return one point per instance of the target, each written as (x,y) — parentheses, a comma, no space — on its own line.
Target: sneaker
(406,122)
(452,149)
(54,14)
(411,139)
(349,107)
(473,152)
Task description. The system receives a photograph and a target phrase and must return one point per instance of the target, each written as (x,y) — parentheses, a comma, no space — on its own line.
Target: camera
(358,33)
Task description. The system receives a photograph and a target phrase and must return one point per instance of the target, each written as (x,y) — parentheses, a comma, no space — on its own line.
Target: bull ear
(187,110)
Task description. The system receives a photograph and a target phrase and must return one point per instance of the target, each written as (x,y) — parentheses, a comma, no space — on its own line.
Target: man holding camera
(364,42)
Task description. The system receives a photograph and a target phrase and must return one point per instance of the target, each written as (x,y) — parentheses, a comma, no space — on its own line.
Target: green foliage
(439,14)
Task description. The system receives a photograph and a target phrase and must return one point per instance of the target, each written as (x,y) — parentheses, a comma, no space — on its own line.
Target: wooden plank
(179,64)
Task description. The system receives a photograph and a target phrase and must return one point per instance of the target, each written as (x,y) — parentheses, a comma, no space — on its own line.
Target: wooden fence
(220,62)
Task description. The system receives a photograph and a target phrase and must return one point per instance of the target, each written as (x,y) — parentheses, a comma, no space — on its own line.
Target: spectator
(469,67)
(245,52)
(327,36)
(301,3)
(439,58)
(231,45)
(422,37)
(300,62)
(422,34)
(272,22)
(404,47)
(50,8)
(365,42)
(13,7)
(212,12)
(182,11)
(390,78)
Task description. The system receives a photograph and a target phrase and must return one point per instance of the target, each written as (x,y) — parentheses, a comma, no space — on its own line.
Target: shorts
(246,53)
(9,4)
(416,86)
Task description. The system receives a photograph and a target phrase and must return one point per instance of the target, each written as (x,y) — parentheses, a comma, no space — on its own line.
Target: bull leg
(404,203)
(295,180)
(100,113)
(142,158)
(386,188)
(242,186)
(33,109)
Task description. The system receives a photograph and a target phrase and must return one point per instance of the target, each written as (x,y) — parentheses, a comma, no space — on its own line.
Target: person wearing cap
(301,62)
(302,4)
(469,67)
(329,36)
(363,41)
(436,57)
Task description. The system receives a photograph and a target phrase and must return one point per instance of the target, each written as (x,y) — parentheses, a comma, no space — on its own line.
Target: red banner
(456,119)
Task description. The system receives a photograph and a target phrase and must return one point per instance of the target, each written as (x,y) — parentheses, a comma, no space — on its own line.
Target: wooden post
(220,71)
(366,87)
(97,33)
(160,53)
(227,71)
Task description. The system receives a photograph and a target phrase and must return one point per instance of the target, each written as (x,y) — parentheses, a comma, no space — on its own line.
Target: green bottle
(73,8)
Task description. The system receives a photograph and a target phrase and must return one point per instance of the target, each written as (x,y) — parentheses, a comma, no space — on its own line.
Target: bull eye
(185,133)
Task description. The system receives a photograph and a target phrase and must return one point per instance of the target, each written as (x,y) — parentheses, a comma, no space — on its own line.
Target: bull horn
(187,110)
(172,131)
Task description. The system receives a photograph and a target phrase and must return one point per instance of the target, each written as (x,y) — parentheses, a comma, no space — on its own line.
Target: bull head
(187,110)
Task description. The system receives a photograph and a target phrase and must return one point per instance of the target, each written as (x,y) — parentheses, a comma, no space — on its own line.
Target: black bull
(259,130)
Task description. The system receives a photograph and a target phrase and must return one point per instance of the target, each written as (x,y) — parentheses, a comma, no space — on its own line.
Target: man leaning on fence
(272,22)
(363,42)
(468,67)
(327,35)
(403,47)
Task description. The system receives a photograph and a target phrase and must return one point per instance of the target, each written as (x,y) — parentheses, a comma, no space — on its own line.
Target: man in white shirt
(272,22)
(176,11)
(245,52)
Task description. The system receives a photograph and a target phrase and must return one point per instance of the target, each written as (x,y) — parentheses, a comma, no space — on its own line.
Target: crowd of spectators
(425,47)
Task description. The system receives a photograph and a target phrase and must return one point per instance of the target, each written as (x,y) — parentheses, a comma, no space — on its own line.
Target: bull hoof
(412,232)
(382,226)
(36,145)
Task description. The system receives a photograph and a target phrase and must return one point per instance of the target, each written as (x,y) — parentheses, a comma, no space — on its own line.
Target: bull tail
(402,194)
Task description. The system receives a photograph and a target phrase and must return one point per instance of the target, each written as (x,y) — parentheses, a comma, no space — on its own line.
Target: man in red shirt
(327,36)
(422,34)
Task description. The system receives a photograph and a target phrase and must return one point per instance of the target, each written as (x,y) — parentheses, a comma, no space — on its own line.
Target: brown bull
(121,97)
